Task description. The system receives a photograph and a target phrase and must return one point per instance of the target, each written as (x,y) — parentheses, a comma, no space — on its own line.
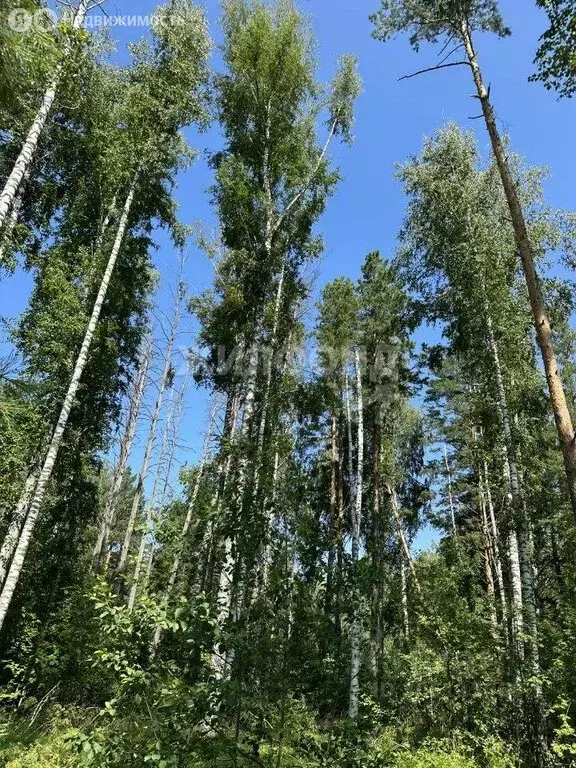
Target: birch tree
(25,159)
(456,22)
(145,134)
(272,181)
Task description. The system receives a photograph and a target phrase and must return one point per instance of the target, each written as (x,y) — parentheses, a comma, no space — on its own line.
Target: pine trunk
(542,325)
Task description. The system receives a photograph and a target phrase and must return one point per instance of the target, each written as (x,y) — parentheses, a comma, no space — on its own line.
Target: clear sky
(392,119)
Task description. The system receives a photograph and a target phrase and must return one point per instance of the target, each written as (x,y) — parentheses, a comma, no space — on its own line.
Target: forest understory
(367,558)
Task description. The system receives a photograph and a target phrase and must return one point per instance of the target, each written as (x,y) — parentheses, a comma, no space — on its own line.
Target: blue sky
(392,119)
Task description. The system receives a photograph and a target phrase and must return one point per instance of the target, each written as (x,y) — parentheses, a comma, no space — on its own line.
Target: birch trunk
(13,533)
(24,161)
(268,384)
(520,557)
(356,629)
(230,563)
(376,555)
(512,480)
(10,225)
(402,538)
(488,552)
(125,448)
(143,474)
(542,325)
(404,598)
(333,514)
(450,496)
(150,507)
(495,543)
(190,512)
(224,467)
(166,488)
(56,441)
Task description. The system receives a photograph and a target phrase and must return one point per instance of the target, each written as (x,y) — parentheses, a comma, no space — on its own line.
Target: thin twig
(438,66)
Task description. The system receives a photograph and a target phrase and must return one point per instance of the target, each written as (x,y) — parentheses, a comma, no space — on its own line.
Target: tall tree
(158,104)
(556,56)
(457,22)
(24,161)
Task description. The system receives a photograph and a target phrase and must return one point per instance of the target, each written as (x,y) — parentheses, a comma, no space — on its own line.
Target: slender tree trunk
(376,555)
(349,434)
(513,482)
(339,527)
(402,538)
(206,549)
(544,335)
(356,628)
(56,441)
(174,428)
(268,385)
(13,533)
(10,224)
(450,496)
(136,502)
(333,514)
(269,513)
(190,512)
(488,551)
(147,533)
(495,542)
(26,156)
(230,560)
(520,557)
(404,597)
(122,464)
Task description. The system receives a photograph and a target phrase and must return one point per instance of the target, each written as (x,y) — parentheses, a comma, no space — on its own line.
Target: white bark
(147,533)
(450,497)
(224,468)
(404,598)
(122,464)
(10,225)
(56,441)
(268,385)
(26,156)
(168,450)
(402,538)
(16,523)
(515,498)
(229,565)
(143,474)
(495,542)
(190,512)
(356,628)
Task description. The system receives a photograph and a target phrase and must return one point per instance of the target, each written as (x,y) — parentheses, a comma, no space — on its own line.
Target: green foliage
(27,60)
(556,56)
(426,21)
(237,650)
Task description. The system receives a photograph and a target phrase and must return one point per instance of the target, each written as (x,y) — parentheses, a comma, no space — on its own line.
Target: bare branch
(438,66)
